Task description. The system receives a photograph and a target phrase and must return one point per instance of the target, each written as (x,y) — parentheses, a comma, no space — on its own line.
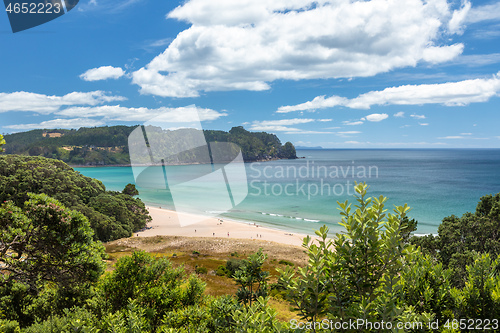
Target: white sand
(165,222)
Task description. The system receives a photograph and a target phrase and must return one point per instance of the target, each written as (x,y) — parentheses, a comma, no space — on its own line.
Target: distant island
(108,145)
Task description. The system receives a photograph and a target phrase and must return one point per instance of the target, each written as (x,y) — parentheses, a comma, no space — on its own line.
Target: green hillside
(109,145)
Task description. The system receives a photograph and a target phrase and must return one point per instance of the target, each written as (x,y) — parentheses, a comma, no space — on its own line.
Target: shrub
(221,271)
(232,265)
(286,263)
(201,270)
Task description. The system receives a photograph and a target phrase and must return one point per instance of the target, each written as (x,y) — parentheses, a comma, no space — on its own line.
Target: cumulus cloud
(376,117)
(282,125)
(247,44)
(450,94)
(120,113)
(102,73)
(27,101)
(399,114)
(59,123)
(456,24)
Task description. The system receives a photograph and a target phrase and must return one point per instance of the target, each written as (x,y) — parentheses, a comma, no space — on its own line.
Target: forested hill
(109,145)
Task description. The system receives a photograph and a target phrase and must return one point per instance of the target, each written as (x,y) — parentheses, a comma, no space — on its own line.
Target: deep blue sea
(301,195)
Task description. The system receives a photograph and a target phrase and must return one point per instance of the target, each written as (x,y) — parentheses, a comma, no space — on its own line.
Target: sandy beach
(165,223)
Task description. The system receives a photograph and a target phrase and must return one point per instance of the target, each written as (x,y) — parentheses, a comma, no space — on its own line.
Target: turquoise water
(301,195)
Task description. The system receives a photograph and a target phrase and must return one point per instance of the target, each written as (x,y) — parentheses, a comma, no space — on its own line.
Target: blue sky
(337,74)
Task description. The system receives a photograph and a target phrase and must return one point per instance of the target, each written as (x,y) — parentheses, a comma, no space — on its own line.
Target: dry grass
(211,253)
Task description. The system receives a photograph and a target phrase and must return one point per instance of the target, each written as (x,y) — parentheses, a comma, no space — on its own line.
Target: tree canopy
(459,239)
(109,145)
(2,142)
(44,241)
(112,215)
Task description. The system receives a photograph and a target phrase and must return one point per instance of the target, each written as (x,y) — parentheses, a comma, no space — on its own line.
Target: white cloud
(423,124)
(246,44)
(307,132)
(121,113)
(399,114)
(102,73)
(282,126)
(27,101)
(376,117)
(465,133)
(349,132)
(418,116)
(325,120)
(352,123)
(319,102)
(450,94)
(452,137)
(456,24)
(59,123)
(484,13)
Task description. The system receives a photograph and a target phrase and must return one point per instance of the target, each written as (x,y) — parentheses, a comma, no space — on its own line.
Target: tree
(130,190)
(251,278)
(289,151)
(2,142)
(459,238)
(355,275)
(113,215)
(48,258)
(152,283)
(44,241)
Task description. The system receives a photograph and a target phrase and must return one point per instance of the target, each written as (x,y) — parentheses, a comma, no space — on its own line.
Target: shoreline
(165,223)
(170,164)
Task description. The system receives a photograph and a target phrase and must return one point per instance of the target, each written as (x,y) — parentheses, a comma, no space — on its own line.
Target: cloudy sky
(336,73)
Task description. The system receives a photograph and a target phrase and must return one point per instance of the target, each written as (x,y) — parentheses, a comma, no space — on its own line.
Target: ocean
(301,195)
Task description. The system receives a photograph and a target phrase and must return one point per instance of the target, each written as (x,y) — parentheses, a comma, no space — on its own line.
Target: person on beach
(228,234)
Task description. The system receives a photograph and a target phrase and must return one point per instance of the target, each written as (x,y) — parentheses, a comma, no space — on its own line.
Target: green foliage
(459,238)
(251,278)
(130,190)
(286,262)
(289,150)
(72,320)
(109,145)
(356,275)
(221,271)
(47,257)
(2,142)
(112,215)
(232,265)
(257,318)
(152,283)
(201,270)
(44,241)
(480,297)
(426,285)
(9,326)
